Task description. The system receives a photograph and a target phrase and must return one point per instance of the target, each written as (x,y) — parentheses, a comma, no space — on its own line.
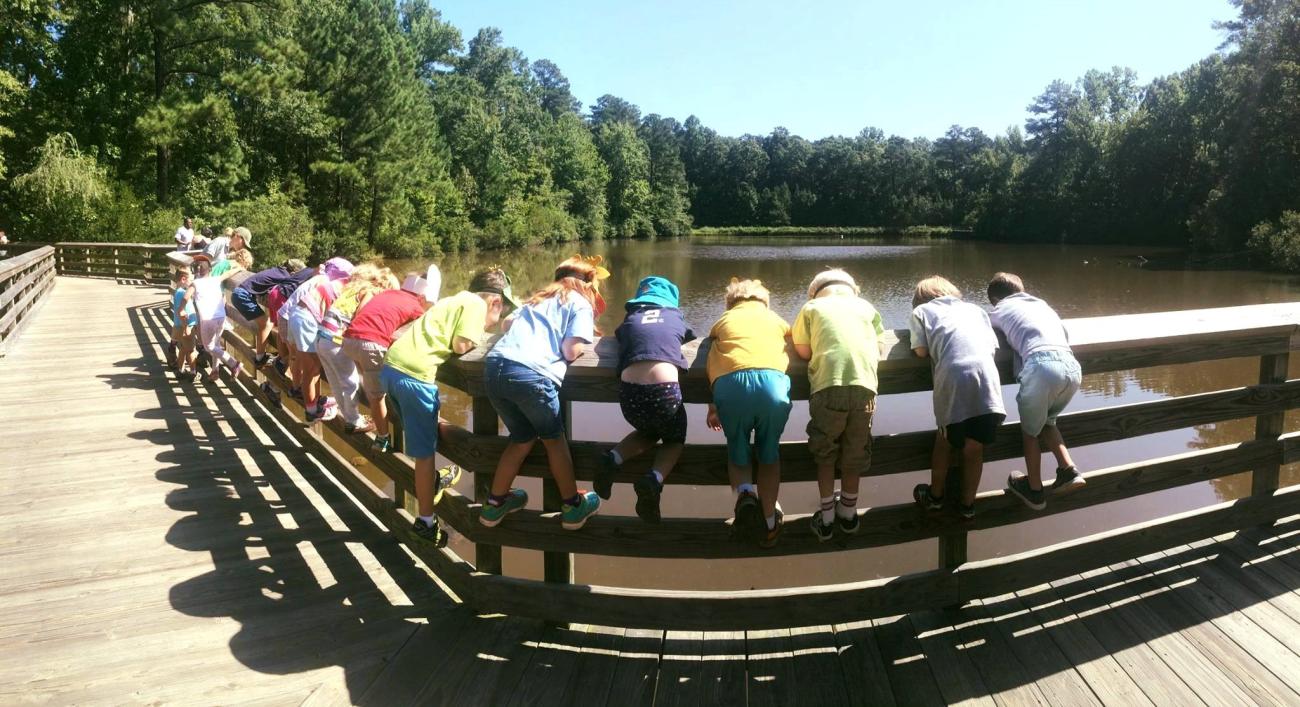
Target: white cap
(433,283)
(414,284)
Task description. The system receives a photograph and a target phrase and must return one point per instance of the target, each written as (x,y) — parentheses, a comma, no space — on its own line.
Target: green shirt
(220,268)
(843,332)
(427,342)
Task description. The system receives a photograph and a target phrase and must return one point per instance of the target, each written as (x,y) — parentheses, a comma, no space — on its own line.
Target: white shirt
(1030,326)
(184,237)
(961,345)
(209,299)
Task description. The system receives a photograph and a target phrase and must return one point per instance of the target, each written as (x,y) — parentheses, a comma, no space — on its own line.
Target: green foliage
(280,228)
(61,197)
(1277,243)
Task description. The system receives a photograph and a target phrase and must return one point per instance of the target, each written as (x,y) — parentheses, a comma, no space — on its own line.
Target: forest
(375,127)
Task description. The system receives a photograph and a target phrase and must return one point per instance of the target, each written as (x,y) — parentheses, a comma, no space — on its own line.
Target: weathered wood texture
(25,281)
(135,261)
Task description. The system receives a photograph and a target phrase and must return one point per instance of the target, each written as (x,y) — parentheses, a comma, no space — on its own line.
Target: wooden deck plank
(723,669)
(958,678)
(635,675)
(679,669)
(770,668)
(597,661)
(862,663)
(1012,632)
(550,666)
(912,676)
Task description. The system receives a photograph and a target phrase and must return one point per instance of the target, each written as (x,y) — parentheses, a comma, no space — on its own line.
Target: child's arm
(571,348)
(801,335)
(920,344)
(712,418)
(461,346)
(804,351)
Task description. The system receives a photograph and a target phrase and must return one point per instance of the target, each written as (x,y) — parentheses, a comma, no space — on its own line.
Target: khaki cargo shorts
(369,358)
(839,427)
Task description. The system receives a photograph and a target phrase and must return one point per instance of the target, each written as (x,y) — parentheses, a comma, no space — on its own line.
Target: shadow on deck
(314,582)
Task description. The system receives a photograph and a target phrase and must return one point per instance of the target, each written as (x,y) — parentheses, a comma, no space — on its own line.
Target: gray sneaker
(1068,479)
(1018,486)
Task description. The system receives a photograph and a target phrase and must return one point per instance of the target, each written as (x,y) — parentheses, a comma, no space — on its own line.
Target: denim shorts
(527,401)
(1048,380)
(245,303)
(753,402)
(303,328)
(417,405)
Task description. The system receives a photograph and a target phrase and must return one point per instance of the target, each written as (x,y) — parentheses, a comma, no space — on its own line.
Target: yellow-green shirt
(427,343)
(843,331)
(749,335)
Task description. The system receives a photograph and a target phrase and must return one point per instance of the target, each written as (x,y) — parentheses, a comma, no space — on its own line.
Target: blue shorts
(245,303)
(527,401)
(303,328)
(754,401)
(1048,380)
(417,404)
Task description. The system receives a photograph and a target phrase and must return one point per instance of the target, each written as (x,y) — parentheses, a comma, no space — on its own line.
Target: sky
(833,67)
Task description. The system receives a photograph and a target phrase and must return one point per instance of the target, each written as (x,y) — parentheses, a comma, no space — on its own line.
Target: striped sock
(828,509)
(848,505)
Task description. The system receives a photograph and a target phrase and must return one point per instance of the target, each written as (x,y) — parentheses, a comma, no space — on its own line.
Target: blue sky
(832,67)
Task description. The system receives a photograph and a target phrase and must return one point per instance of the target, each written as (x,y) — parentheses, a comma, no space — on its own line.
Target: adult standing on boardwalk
(184,235)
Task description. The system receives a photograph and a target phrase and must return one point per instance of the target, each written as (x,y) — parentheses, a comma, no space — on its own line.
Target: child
(523,374)
(452,326)
(251,298)
(210,305)
(304,310)
(751,396)
(367,280)
(650,355)
(957,338)
(184,320)
(838,332)
(1049,376)
(368,337)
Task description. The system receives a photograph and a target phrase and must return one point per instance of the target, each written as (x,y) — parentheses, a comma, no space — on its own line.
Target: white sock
(828,509)
(771,521)
(848,505)
(659,478)
(746,488)
(618,458)
(428,520)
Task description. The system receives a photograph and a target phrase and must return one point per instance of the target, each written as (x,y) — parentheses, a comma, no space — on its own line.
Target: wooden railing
(1101,344)
(24,281)
(134,261)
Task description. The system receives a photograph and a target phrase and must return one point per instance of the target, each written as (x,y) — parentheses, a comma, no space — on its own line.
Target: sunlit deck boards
(167,543)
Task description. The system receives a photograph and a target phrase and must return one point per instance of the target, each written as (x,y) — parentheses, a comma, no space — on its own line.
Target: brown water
(1078,280)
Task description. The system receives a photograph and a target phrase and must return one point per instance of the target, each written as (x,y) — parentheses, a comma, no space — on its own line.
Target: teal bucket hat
(655,291)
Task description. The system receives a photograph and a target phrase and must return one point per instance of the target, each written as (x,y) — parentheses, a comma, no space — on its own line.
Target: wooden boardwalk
(167,543)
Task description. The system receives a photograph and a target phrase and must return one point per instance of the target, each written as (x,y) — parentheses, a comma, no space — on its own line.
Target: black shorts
(981,428)
(655,410)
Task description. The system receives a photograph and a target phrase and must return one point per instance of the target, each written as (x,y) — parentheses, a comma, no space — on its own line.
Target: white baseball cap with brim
(428,286)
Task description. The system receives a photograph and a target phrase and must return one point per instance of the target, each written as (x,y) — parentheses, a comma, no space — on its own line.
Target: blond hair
(181,273)
(227,231)
(388,279)
(746,290)
(933,287)
(368,279)
(828,278)
(243,258)
(575,274)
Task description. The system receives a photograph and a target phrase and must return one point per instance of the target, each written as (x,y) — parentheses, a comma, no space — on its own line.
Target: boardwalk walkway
(165,543)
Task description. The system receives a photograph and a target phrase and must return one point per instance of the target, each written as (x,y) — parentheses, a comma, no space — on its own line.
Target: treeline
(368,126)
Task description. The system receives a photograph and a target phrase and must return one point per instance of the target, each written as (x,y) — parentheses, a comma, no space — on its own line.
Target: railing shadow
(315,582)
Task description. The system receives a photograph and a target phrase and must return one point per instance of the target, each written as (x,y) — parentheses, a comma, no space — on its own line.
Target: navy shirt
(263,282)
(650,333)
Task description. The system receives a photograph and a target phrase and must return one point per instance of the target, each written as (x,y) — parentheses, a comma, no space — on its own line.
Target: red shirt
(384,314)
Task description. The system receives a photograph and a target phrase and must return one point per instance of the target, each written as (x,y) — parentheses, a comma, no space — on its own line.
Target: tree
(628,194)
(612,109)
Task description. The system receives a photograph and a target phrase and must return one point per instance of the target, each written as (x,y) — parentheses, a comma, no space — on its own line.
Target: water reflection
(1079,281)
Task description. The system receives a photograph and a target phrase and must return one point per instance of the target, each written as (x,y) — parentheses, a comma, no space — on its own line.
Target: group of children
(368,332)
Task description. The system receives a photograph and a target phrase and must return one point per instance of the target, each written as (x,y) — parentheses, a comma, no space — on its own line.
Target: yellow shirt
(749,335)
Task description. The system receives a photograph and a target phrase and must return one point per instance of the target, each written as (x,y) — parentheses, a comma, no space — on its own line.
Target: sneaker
(604,483)
(362,426)
(431,533)
(921,494)
(272,395)
(648,491)
(281,366)
(1018,486)
(1068,479)
(214,374)
(490,515)
(328,410)
(771,535)
(239,368)
(185,374)
(296,394)
(382,444)
(447,477)
(821,529)
(574,517)
(967,512)
(749,517)
(849,525)
(261,360)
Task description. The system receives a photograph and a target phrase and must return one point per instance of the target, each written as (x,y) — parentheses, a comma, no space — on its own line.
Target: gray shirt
(218,248)
(961,345)
(1030,326)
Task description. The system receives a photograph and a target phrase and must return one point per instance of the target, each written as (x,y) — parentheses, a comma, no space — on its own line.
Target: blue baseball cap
(655,291)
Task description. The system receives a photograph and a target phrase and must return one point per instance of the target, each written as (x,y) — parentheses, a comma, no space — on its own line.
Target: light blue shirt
(538,331)
(1030,326)
(190,317)
(961,344)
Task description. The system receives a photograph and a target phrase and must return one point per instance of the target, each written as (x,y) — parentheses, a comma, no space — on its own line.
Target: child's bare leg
(769,486)
(263,327)
(512,458)
(1051,437)
(1033,461)
(738,474)
(633,444)
(379,415)
(310,378)
(972,462)
(849,482)
(940,461)
(425,485)
(561,462)
(666,458)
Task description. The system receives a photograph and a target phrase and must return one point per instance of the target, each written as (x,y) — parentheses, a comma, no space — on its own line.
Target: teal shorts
(753,406)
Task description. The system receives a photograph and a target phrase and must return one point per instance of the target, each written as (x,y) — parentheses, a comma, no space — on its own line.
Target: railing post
(952,546)
(487,558)
(1272,370)
(557,566)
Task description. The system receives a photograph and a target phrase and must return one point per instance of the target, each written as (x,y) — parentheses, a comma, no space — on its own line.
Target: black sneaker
(967,512)
(822,530)
(262,359)
(1019,487)
(1068,479)
(749,523)
(849,525)
(281,366)
(272,395)
(648,491)
(921,494)
(172,361)
(604,482)
(431,533)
